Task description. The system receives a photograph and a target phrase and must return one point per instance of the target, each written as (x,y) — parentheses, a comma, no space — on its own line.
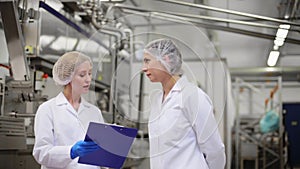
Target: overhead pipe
(228,21)
(230,29)
(70,23)
(211,26)
(263,70)
(291,7)
(231,12)
(131,50)
(295,8)
(201,17)
(288,73)
(117,33)
(100,26)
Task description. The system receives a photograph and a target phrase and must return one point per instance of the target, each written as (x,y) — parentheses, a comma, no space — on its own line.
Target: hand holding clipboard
(114,142)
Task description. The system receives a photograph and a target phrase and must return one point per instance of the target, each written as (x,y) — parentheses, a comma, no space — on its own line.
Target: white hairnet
(167,53)
(66,65)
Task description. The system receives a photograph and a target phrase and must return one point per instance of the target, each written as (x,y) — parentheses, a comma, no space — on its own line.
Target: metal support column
(237,125)
(14,40)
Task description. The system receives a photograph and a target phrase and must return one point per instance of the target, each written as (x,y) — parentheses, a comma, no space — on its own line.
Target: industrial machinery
(26,85)
(252,143)
(38,32)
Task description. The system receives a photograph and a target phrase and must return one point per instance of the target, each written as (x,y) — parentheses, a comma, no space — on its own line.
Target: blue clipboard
(114,142)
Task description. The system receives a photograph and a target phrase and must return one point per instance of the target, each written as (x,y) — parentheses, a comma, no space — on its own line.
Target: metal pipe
(247,136)
(118,35)
(229,29)
(253,74)
(182,20)
(141,99)
(100,26)
(94,19)
(15,114)
(231,12)
(281,124)
(201,17)
(112,85)
(295,9)
(131,51)
(227,128)
(70,23)
(112,29)
(237,124)
(263,70)
(226,20)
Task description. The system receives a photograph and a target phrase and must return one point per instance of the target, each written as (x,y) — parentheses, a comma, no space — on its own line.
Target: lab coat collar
(85,103)
(179,85)
(62,100)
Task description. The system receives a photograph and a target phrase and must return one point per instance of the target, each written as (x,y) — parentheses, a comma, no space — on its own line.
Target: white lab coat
(57,128)
(183,132)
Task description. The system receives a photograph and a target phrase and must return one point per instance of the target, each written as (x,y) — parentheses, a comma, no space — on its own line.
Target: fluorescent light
(282,33)
(275,47)
(284,26)
(273,57)
(279,41)
(286,16)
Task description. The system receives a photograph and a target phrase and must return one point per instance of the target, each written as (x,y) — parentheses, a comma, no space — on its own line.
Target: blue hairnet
(65,66)
(167,53)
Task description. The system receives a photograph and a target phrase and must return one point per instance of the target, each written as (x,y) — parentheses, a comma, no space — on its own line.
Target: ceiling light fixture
(273,57)
(278,41)
(281,34)
(275,47)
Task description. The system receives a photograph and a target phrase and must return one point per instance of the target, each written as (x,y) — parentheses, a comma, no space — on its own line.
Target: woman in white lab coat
(61,122)
(183,132)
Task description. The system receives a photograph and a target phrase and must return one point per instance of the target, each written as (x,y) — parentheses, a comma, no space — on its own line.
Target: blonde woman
(61,122)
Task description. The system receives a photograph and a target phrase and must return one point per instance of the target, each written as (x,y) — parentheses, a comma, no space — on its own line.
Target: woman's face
(82,78)
(154,69)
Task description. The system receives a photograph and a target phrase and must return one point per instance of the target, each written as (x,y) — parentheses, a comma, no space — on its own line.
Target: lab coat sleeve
(45,152)
(200,114)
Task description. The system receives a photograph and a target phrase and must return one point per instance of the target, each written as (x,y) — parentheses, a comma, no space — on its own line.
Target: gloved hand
(82,148)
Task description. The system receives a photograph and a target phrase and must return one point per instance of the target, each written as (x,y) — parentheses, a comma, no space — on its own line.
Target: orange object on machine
(273,91)
(266,102)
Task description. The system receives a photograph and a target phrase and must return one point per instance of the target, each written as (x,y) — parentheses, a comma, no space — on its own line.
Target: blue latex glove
(81,148)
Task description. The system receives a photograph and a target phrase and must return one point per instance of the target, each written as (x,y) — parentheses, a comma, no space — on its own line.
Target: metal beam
(202,17)
(183,20)
(231,12)
(287,73)
(14,40)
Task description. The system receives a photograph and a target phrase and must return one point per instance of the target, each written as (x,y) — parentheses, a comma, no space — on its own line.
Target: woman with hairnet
(61,122)
(183,132)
